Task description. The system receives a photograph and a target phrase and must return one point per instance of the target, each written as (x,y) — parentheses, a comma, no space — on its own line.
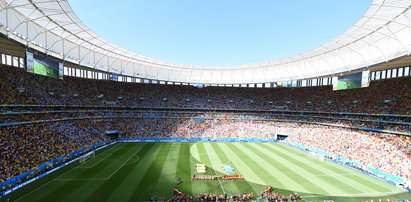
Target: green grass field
(136,171)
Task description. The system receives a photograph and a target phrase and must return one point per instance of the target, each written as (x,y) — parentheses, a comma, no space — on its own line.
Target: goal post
(86,157)
(316,155)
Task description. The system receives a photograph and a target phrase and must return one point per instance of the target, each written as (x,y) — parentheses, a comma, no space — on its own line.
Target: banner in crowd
(204,139)
(215,110)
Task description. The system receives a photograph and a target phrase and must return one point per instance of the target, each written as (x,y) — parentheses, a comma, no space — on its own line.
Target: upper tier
(391,96)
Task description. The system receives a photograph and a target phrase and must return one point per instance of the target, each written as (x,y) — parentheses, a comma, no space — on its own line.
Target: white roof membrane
(51,26)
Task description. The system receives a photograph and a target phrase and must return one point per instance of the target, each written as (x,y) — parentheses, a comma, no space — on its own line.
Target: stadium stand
(72,117)
(47,123)
(25,148)
(390,96)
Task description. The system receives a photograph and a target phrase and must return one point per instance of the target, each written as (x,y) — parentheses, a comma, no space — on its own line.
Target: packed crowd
(75,133)
(186,128)
(394,160)
(398,124)
(385,152)
(384,96)
(8,92)
(24,148)
(212,125)
(388,153)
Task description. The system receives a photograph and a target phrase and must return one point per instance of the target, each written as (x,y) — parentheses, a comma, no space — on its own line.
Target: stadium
(85,120)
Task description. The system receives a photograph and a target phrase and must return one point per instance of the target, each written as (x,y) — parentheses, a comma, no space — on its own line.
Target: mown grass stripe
(183,168)
(243,186)
(145,188)
(283,177)
(98,170)
(217,165)
(134,173)
(83,173)
(196,187)
(106,189)
(306,170)
(168,174)
(246,166)
(365,187)
(212,186)
(355,176)
(129,177)
(308,167)
(40,187)
(299,183)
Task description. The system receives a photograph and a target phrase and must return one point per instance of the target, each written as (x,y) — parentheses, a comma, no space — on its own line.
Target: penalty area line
(43,185)
(124,163)
(56,178)
(95,163)
(133,161)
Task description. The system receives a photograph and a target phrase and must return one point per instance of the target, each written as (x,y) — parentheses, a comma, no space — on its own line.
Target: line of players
(217,177)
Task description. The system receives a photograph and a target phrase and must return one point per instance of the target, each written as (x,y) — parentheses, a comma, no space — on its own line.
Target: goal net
(86,157)
(316,155)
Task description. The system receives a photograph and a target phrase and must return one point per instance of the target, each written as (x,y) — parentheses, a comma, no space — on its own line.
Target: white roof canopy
(51,26)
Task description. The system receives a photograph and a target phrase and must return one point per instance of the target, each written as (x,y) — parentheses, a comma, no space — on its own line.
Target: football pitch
(138,171)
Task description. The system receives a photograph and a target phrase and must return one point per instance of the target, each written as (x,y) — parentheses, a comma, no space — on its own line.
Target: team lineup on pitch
(141,171)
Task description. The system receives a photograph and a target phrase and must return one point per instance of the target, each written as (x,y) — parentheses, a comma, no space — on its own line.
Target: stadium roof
(51,26)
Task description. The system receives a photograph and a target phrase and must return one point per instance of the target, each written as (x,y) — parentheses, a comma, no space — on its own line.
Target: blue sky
(219,32)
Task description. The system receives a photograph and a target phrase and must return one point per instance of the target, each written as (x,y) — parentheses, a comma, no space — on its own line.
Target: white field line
(96,157)
(133,161)
(88,166)
(43,185)
(358,194)
(107,178)
(55,179)
(215,172)
(124,163)
(219,181)
(95,163)
(205,153)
